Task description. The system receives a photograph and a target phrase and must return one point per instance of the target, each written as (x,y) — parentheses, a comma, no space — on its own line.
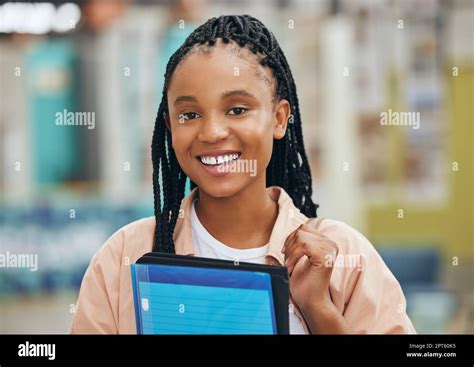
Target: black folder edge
(278,275)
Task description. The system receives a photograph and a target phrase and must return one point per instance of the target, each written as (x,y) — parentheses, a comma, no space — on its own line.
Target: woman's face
(223,118)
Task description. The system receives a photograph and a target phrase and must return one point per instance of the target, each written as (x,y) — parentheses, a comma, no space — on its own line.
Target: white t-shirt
(207,246)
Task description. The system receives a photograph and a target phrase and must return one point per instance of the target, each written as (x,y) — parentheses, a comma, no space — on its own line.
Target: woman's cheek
(181,142)
(267,150)
(257,145)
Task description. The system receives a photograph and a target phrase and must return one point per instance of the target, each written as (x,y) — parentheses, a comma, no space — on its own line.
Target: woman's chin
(222,189)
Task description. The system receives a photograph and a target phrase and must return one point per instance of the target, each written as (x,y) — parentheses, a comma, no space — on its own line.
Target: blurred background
(408,187)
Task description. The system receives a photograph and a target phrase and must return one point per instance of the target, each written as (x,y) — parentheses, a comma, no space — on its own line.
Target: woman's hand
(309,257)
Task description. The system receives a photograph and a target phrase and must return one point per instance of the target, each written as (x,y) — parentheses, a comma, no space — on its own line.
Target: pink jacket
(362,287)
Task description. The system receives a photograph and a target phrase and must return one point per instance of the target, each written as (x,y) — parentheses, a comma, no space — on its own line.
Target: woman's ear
(282,114)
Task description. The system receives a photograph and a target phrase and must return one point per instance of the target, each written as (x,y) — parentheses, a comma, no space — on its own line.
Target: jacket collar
(289,218)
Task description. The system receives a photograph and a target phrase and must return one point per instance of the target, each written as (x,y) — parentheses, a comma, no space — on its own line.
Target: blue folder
(190,295)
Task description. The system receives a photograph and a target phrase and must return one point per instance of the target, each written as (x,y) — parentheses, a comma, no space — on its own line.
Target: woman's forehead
(237,60)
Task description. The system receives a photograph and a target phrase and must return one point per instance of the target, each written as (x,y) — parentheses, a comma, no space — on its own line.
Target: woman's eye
(188,116)
(237,111)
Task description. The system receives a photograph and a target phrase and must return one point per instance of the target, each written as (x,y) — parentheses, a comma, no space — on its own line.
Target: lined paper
(242,306)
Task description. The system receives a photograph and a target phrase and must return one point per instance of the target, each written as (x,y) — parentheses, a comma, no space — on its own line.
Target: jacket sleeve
(96,310)
(367,293)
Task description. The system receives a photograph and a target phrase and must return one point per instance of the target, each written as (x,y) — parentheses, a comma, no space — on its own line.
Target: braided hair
(288,167)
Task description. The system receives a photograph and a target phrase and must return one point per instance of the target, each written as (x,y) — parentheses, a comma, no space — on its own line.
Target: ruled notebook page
(190,300)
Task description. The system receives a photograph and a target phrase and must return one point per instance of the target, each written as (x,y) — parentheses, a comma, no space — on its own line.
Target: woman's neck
(244,220)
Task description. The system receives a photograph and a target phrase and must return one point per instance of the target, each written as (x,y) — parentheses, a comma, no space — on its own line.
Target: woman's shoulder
(128,243)
(348,238)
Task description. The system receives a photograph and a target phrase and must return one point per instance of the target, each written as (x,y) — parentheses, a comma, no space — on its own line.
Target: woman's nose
(212,131)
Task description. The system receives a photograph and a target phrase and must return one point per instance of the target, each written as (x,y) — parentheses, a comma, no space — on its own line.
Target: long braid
(288,167)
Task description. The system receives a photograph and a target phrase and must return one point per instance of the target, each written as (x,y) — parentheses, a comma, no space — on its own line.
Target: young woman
(229,120)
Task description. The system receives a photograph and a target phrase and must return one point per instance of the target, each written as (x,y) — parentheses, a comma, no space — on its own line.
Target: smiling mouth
(219,159)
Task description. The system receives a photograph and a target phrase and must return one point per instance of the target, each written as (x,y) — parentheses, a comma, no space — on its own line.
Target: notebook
(176,294)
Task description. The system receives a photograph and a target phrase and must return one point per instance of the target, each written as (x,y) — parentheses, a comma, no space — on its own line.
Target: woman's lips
(218,170)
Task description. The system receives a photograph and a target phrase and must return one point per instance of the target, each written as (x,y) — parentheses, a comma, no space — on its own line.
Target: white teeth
(219,159)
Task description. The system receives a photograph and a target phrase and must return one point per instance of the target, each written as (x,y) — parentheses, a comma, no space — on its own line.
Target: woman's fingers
(293,259)
(289,240)
(315,254)
(302,228)
(307,243)
(299,237)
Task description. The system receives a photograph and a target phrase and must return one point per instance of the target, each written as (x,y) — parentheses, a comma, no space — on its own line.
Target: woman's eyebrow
(184,99)
(226,94)
(238,92)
